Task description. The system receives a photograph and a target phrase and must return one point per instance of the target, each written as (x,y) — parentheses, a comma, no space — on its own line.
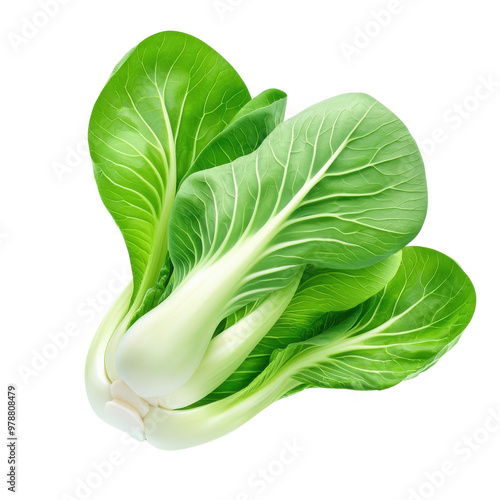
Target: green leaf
(245,133)
(392,337)
(165,101)
(269,97)
(401,332)
(340,185)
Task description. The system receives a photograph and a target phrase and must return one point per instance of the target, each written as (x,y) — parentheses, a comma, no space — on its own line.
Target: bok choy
(268,256)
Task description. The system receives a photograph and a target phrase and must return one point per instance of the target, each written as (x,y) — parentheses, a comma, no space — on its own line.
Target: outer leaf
(165,101)
(340,185)
(394,336)
(347,167)
(401,331)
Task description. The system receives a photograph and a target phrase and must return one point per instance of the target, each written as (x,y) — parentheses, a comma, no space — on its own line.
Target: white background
(59,247)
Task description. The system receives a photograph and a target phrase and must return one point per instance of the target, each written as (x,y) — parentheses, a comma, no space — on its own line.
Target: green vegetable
(267,256)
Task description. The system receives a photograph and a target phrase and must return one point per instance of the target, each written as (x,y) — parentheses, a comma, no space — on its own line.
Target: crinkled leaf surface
(340,185)
(401,332)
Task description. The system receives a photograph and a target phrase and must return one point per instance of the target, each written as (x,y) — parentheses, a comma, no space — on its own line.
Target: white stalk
(230,348)
(162,349)
(177,429)
(97,381)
